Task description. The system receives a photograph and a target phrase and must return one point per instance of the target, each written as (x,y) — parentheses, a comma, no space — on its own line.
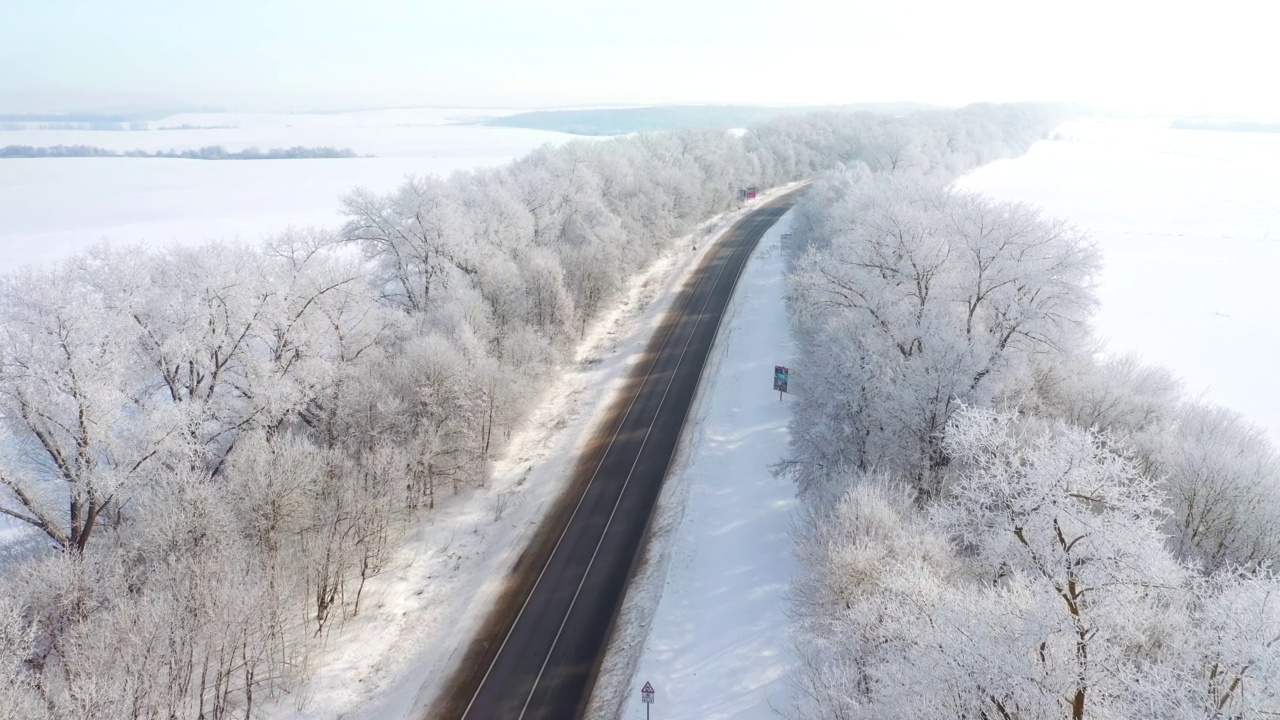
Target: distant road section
(537,657)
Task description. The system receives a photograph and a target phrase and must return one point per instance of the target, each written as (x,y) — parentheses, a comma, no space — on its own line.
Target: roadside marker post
(646,696)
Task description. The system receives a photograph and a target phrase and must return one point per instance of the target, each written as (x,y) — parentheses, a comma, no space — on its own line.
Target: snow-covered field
(391,661)
(51,207)
(1189,224)
(704,620)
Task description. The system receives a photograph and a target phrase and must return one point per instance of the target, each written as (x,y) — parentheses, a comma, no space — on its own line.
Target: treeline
(218,444)
(212,152)
(1000,521)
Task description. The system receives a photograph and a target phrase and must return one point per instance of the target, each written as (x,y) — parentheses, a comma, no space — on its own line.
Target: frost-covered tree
(76,434)
(1069,534)
(417,238)
(919,299)
(19,697)
(1038,586)
(1117,394)
(1222,476)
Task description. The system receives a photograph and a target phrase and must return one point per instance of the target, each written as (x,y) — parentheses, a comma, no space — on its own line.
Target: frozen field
(50,207)
(1189,224)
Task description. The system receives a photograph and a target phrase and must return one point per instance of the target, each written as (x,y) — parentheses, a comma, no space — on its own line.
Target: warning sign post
(646,695)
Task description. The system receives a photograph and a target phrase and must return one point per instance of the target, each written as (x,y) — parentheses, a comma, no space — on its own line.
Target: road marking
(585,492)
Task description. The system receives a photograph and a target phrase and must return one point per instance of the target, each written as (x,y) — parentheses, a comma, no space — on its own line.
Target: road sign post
(646,695)
(781,374)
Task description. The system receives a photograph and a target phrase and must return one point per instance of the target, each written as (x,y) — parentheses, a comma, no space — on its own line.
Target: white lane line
(755,223)
(585,492)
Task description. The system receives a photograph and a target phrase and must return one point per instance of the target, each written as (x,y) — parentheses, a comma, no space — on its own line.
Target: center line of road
(626,481)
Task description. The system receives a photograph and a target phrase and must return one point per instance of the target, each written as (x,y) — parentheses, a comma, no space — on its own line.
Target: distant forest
(213,152)
(622,121)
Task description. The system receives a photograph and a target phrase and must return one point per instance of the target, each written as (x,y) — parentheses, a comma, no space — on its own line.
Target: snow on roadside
(422,611)
(704,620)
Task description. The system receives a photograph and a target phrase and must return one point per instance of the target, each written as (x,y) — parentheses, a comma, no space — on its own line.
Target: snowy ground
(392,660)
(52,207)
(704,620)
(1189,224)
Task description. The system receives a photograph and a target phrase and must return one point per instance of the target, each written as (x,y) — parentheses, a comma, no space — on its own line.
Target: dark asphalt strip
(545,666)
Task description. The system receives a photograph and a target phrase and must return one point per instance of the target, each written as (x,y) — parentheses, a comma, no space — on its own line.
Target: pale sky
(314,54)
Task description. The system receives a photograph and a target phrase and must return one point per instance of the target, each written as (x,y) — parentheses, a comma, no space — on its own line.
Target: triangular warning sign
(648,688)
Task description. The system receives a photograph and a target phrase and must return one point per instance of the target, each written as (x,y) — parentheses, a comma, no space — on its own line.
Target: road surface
(546,660)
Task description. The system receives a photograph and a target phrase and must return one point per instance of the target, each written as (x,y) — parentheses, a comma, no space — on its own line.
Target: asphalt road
(545,665)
